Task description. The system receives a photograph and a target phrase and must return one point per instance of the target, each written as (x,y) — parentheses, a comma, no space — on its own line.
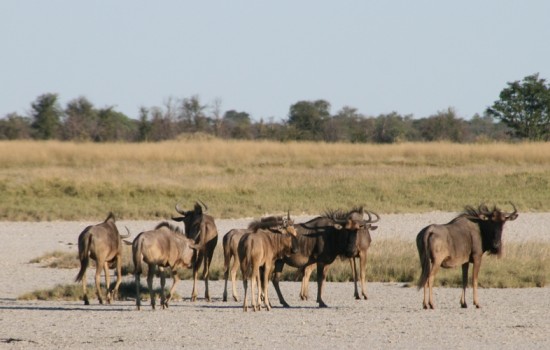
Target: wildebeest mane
(339,215)
(169,226)
(265,223)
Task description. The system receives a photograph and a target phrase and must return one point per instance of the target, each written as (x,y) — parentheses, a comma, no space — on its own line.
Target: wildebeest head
(491,222)
(278,224)
(349,223)
(191,218)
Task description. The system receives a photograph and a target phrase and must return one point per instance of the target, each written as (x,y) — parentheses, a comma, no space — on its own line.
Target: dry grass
(75,181)
(524,265)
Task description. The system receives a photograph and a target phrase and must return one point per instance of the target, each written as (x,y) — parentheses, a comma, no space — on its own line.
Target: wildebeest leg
(279,264)
(245,298)
(85,289)
(306,273)
(363,273)
(353,266)
(226,263)
(99,267)
(175,279)
(107,281)
(162,287)
(477,265)
(234,269)
(138,293)
(196,267)
(321,275)
(255,281)
(265,283)
(118,277)
(205,276)
(431,278)
(465,267)
(150,275)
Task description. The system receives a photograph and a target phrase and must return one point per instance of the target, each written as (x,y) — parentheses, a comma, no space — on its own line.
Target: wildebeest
(102,243)
(230,243)
(320,241)
(201,228)
(460,242)
(266,243)
(165,246)
(363,243)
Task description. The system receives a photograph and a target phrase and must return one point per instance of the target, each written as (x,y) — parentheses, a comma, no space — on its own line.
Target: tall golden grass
(66,180)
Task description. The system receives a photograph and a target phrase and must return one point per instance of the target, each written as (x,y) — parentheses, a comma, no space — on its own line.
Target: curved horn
(179,210)
(514,214)
(204,205)
(370,220)
(127,230)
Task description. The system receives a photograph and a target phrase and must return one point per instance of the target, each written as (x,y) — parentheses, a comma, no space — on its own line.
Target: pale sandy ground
(391,318)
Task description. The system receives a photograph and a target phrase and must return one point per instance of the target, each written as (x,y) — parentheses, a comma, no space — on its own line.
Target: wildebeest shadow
(66,308)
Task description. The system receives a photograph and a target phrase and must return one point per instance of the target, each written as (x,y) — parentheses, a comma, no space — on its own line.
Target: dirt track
(391,318)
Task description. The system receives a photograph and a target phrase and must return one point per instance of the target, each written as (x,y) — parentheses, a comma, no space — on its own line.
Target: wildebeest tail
(83,252)
(423,253)
(136,254)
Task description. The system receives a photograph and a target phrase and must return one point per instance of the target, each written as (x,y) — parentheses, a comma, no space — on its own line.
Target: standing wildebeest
(102,243)
(165,246)
(260,248)
(230,251)
(320,241)
(201,228)
(460,242)
(363,243)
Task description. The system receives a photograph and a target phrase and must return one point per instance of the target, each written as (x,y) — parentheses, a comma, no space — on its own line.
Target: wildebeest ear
(338,226)
(178,219)
(483,217)
(372,228)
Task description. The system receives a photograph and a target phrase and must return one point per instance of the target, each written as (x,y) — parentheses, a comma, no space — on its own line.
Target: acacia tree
(525,107)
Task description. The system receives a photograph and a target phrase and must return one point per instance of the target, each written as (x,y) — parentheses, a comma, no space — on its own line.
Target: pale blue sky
(413,57)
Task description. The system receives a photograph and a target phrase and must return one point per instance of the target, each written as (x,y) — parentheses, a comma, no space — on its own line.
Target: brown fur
(262,247)
(363,243)
(320,241)
(102,243)
(230,245)
(202,229)
(165,246)
(459,243)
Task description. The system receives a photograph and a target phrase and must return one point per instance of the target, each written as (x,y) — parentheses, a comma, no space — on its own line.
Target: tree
(308,118)
(192,115)
(46,115)
(391,128)
(80,120)
(525,107)
(15,127)
(114,126)
(237,124)
(443,126)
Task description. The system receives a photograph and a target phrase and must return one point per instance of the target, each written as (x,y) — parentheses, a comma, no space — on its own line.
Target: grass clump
(57,259)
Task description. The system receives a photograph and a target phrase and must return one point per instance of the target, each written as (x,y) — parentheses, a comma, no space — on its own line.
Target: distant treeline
(80,120)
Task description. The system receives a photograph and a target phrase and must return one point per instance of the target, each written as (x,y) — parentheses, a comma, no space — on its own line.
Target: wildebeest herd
(263,248)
